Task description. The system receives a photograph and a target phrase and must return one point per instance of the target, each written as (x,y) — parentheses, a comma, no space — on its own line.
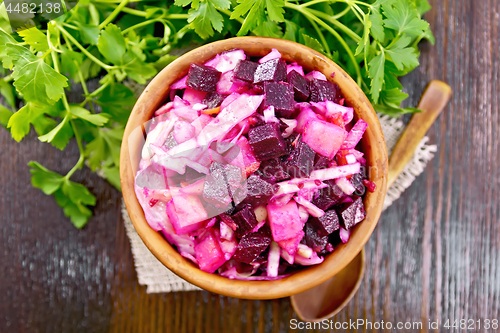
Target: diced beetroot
(245,70)
(313,240)
(305,115)
(290,245)
(252,245)
(355,135)
(280,96)
(228,84)
(321,162)
(352,213)
(202,78)
(315,75)
(266,141)
(246,221)
(324,91)
(258,191)
(357,181)
(186,213)
(284,220)
(226,61)
(213,100)
(181,84)
(183,131)
(193,96)
(221,185)
(272,70)
(295,67)
(274,54)
(274,170)
(370,185)
(208,253)
(241,155)
(328,197)
(300,85)
(299,163)
(326,224)
(323,137)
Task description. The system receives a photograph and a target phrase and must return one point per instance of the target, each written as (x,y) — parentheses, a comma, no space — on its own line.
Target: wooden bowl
(373,145)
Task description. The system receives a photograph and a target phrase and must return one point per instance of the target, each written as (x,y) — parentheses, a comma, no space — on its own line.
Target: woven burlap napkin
(158,278)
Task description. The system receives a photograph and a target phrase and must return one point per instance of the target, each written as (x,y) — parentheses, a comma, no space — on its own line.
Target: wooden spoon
(327,299)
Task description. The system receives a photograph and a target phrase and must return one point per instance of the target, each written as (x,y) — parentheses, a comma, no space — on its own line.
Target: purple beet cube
(313,240)
(300,85)
(202,78)
(222,185)
(245,70)
(321,162)
(352,213)
(329,196)
(279,95)
(258,191)
(266,141)
(216,190)
(272,70)
(245,220)
(300,162)
(326,224)
(322,90)
(274,170)
(252,245)
(357,181)
(213,100)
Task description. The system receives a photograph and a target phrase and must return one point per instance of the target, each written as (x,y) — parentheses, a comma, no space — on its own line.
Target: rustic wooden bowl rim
(373,146)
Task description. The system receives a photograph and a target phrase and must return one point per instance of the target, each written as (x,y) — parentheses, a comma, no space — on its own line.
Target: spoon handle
(433,101)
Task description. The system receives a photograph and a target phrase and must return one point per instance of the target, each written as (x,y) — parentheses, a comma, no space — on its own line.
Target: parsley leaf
(112,45)
(403,56)
(72,197)
(96,119)
(38,82)
(204,17)
(376,73)
(35,38)
(5,115)
(402,17)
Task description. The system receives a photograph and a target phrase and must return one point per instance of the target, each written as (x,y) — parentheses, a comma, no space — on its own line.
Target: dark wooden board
(435,253)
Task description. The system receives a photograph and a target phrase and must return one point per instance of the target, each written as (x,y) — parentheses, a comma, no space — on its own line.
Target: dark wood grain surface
(434,255)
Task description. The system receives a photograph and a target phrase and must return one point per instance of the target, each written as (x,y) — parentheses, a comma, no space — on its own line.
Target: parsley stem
(320,34)
(336,23)
(84,50)
(113,14)
(142,24)
(7,78)
(78,164)
(342,13)
(314,2)
(307,13)
(135,12)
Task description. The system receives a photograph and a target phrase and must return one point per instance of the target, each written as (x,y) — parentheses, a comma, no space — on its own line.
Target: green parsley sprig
(120,41)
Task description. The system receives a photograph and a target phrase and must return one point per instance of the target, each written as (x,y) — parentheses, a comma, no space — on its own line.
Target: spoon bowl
(327,299)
